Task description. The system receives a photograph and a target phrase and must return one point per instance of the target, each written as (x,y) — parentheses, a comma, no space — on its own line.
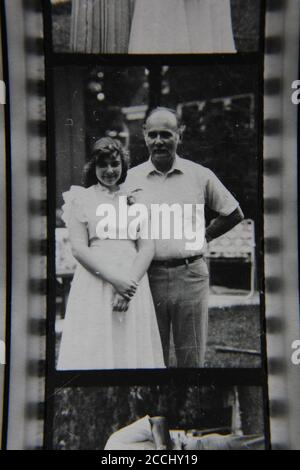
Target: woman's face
(109,170)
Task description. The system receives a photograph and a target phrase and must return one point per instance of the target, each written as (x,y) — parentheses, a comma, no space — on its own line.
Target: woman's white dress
(94,336)
(181,26)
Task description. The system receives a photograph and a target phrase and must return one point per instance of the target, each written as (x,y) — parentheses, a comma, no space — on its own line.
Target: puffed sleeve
(75,204)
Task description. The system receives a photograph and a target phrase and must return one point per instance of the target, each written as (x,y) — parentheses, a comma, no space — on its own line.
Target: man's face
(162,137)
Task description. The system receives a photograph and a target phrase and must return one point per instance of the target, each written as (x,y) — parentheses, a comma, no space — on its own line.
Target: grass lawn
(234,327)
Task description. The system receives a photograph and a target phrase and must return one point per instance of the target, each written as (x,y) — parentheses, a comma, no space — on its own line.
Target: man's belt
(172,263)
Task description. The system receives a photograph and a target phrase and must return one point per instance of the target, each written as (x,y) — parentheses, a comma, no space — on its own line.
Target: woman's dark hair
(104,147)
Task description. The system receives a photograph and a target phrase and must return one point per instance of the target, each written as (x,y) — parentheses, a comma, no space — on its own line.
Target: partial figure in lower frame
(110,321)
(153,434)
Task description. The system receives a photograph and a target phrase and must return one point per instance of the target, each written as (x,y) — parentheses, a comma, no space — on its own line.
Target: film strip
(280,220)
(26,362)
(3,243)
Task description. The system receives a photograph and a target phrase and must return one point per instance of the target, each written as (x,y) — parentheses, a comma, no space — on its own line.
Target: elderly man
(178,275)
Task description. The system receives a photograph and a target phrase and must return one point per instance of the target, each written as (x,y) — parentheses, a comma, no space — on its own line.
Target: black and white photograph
(159,418)
(150,240)
(156,26)
(130,136)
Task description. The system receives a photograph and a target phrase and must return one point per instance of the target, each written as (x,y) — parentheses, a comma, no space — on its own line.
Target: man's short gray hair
(165,109)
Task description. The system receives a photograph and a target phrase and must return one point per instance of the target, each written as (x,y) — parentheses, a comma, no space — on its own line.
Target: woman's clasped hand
(125,290)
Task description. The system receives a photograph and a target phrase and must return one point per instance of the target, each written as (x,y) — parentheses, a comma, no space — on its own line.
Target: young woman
(181,26)
(110,321)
